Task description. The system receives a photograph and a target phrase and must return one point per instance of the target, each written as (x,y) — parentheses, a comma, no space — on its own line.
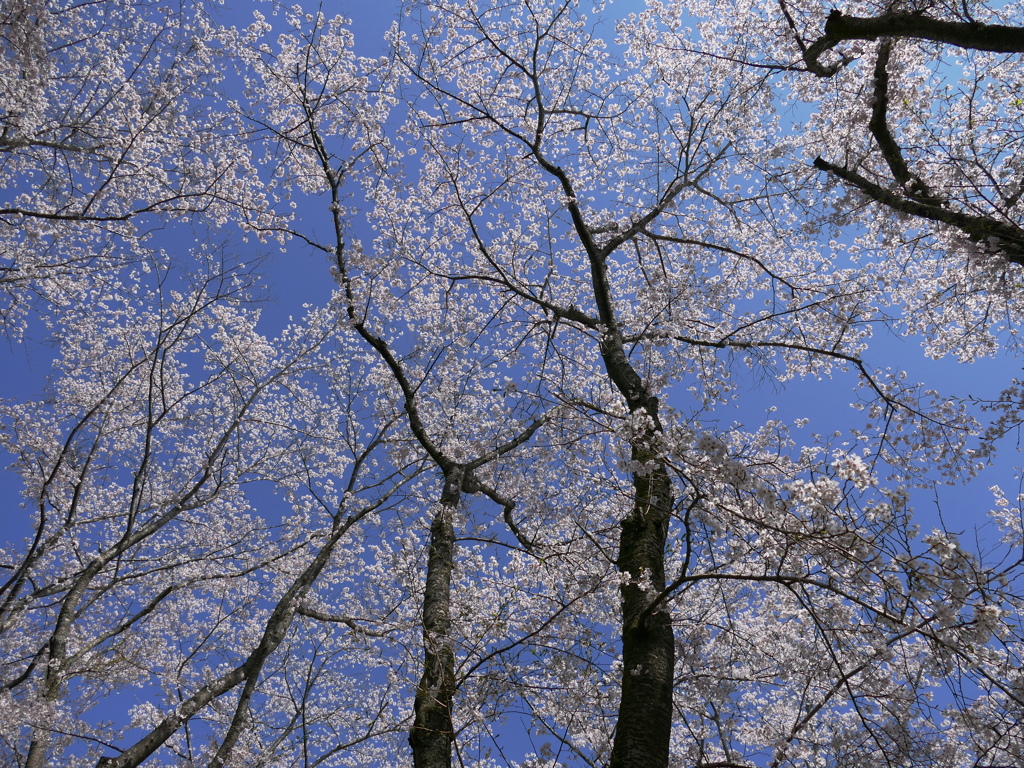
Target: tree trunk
(644,727)
(432,734)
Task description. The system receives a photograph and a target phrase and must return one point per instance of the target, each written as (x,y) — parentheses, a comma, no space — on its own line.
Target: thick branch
(998,38)
(879,126)
(1005,238)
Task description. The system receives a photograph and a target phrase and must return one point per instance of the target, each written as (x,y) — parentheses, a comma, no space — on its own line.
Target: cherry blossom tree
(525,188)
(603,203)
(136,470)
(111,122)
(321,123)
(515,504)
(146,567)
(915,123)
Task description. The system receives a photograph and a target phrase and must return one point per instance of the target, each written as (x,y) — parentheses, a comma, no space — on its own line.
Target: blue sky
(295,276)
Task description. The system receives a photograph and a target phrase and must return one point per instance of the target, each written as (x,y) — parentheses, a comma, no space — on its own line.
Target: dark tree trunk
(432,734)
(644,727)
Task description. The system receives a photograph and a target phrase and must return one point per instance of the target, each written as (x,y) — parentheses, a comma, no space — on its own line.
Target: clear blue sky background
(296,276)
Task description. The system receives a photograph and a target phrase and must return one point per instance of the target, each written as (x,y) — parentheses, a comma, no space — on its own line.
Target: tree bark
(432,734)
(998,38)
(997,235)
(644,727)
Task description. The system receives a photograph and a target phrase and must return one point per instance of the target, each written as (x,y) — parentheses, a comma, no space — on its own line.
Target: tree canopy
(503,497)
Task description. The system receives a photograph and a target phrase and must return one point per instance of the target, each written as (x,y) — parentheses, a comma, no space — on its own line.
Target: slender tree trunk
(432,734)
(644,727)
